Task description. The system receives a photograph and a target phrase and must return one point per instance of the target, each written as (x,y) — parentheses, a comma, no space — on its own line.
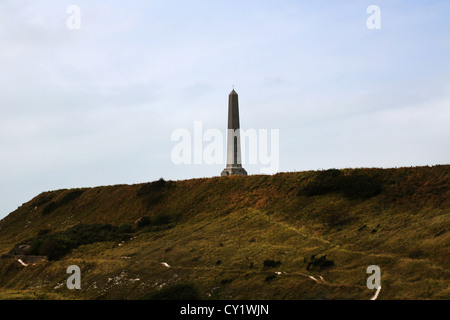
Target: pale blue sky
(97,106)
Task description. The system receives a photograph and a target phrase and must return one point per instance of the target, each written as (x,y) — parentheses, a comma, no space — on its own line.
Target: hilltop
(301,235)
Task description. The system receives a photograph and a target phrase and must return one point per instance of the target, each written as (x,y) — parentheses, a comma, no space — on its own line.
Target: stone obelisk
(234,164)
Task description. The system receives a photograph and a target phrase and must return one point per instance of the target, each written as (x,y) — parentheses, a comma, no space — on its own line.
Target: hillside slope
(253,237)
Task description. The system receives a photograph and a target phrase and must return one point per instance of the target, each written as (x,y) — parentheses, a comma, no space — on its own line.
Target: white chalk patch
(313,278)
(165,264)
(59,285)
(22,263)
(376,294)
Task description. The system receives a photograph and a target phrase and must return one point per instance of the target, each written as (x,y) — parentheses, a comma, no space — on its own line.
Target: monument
(234,164)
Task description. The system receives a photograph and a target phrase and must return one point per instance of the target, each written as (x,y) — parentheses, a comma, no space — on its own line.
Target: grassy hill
(302,235)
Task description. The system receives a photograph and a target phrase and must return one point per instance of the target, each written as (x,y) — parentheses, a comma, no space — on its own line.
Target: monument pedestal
(233,171)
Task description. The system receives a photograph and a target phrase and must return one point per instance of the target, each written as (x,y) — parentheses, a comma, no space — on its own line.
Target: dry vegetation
(255,237)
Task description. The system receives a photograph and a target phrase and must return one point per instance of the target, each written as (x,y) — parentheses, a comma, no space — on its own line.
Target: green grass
(242,222)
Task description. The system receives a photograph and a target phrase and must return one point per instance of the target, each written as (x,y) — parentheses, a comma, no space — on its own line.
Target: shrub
(325,182)
(157,220)
(270,277)
(43,232)
(360,186)
(43,199)
(69,197)
(152,192)
(440,233)
(352,186)
(89,233)
(33,250)
(125,228)
(56,245)
(271,263)
(50,208)
(144,221)
(160,219)
(321,262)
(416,254)
(225,281)
(175,292)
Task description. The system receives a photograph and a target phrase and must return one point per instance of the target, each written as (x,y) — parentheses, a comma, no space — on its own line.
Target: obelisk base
(233,172)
